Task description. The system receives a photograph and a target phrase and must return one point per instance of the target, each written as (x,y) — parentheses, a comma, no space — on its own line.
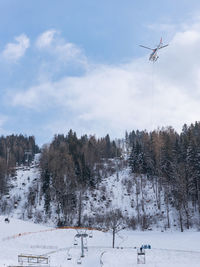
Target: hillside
(135,196)
(149,180)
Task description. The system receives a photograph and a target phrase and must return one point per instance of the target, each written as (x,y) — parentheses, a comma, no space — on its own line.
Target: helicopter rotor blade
(163,46)
(146,47)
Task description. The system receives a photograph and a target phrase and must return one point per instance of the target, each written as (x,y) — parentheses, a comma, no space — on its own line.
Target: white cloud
(45,39)
(52,43)
(138,94)
(14,51)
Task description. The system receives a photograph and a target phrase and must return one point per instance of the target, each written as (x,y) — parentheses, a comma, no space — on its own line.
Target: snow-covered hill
(23,199)
(135,196)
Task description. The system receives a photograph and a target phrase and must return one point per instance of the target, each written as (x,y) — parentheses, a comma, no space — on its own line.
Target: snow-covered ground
(23,200)
(123,191)
(172,249)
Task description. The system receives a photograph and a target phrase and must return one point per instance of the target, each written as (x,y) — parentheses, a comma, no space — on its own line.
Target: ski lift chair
(75,242)
(69,257)
(85,245)
(91,235)
(79,261)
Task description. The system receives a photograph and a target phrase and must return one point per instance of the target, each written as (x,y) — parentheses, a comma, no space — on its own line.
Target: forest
(173,161)
(71,167)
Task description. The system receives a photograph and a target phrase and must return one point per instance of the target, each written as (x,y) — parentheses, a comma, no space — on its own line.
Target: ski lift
(79,261)
(91,235)
(75,242)
(85,245)
(141,256)
(69,257)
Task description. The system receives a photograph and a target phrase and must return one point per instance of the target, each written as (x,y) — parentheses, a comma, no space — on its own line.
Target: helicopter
(154,56)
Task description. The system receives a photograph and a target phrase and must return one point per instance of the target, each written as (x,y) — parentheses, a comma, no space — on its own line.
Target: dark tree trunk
(180,218)
(113,241)
(80,209)
(187,217)
(167,205)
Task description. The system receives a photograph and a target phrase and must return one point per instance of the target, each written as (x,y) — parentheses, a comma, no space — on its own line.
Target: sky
(77,64)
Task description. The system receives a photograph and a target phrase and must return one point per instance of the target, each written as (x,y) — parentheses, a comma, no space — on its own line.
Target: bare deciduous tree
(115,222)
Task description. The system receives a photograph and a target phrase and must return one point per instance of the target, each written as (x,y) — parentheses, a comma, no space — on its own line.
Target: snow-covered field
(172,249)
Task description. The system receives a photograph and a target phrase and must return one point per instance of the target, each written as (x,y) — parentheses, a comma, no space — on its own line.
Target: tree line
(172,161)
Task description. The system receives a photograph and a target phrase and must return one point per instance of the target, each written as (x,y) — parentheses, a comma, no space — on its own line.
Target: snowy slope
(134,196)
(120,191)
(168,249)
(23,186)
